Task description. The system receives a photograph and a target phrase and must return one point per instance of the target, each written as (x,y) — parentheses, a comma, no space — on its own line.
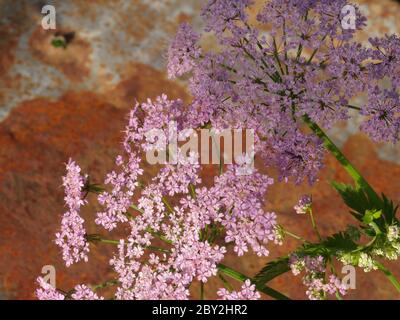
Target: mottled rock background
(56,103)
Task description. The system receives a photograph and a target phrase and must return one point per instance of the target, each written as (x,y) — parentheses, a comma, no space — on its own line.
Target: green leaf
(358,200)
(58,43)
(260,286)
(342,241)
(389,210)
(365,208)
(353,232)
(271,270)
(95,188)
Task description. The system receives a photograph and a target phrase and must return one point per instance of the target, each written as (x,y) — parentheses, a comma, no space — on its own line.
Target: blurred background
(66,92)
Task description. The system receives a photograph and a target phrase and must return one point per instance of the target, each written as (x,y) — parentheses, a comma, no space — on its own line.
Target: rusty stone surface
(108,35)
(74,63)
(60,103)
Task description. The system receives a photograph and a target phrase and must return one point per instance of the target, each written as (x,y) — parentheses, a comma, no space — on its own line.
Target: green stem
(226,283)
(276,55)
(314,225)
(241,277)
(154,248)
(167,205)
(192,191)
(97,238)
(351,170)
(389,275)
(107,241)
(133,206)
(295,236)
(158,235)
(106,284)
(357,177)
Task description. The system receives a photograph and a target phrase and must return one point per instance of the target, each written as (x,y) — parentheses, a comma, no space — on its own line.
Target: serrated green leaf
(356,199)
(271,270)
(353,232)
(342,241)
(367,209)
(389,210)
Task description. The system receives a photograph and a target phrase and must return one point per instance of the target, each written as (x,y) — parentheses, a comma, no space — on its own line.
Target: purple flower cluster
(308,65)
(383,110)
(304,205)
(247,292)
(72,237)
(222,14)
(183,51)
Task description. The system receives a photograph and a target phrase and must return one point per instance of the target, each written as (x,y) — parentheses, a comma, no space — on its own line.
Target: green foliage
(59,43)
(389,210)
(271,270)
(94,188)
(342,241)
(356,199)
(371,215)
(367,209)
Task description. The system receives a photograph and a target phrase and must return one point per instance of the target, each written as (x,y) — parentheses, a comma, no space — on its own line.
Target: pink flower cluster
(190,256)
(47,292)
(72,237)
(247,292)
(189,223)
(314,278)
(81,292)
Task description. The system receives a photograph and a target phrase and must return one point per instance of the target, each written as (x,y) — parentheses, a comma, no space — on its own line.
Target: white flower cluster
(387,247)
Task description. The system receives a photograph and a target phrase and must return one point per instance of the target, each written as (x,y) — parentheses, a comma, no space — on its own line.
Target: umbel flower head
(230,210)
(307,65)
